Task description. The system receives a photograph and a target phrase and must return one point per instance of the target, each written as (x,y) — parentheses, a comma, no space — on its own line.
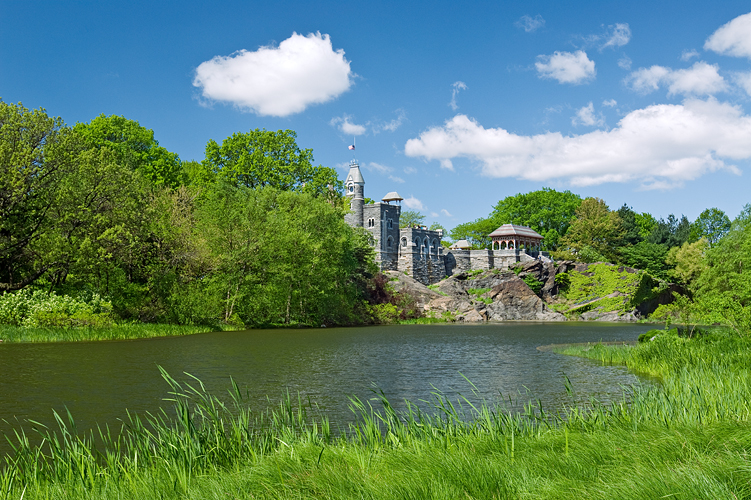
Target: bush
(39,308)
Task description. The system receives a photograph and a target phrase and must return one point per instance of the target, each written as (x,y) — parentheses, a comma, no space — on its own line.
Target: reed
(10,334)
(684,438)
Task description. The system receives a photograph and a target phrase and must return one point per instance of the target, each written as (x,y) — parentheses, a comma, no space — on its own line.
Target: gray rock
(402,283)
(598,314)
(514,300)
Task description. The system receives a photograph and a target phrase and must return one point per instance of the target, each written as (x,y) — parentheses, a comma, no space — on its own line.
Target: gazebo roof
(462,245)
(392,196)
(514,230)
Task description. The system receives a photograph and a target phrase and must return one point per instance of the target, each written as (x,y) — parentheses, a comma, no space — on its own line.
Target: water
(98,381)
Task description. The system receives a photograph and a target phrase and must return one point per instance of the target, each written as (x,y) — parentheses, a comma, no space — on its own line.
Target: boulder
(598,314)
(421,294)
(514,300)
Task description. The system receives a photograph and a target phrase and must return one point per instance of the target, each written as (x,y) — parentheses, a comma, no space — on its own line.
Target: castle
(417,251)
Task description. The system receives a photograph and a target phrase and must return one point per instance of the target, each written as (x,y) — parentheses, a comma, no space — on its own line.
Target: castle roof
(514,230)
(354,174)
(392,196)
(462,245)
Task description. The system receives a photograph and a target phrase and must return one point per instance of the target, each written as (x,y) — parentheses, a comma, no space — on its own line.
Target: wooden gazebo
(511,237)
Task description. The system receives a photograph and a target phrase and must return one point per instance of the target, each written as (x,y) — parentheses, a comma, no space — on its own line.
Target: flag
(352,148)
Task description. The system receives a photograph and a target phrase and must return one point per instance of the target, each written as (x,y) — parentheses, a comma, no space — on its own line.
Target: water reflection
(98,381)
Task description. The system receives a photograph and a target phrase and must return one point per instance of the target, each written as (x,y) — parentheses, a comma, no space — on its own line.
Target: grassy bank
(10,333)
(686,438)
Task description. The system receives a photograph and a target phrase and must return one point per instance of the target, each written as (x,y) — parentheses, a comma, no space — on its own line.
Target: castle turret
(355,187)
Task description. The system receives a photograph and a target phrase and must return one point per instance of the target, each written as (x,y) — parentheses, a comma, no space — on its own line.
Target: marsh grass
(11,334)
(685,438)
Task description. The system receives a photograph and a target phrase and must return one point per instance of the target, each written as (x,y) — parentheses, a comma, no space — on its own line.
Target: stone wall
(421,255)
(381,220)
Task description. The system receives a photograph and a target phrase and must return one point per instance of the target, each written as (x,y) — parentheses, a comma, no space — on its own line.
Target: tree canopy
(547,211)
(594,227)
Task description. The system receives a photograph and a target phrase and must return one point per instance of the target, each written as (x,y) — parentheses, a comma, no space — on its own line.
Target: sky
(453,105)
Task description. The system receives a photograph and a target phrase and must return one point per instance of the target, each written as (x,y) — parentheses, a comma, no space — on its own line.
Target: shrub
(39,308)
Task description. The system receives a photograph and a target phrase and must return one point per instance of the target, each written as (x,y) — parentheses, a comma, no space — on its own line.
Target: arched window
(404,242)
(389,242)
(391,223)
(371,222)
(352,189)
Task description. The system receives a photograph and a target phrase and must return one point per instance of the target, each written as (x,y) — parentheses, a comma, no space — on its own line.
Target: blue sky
(455,106)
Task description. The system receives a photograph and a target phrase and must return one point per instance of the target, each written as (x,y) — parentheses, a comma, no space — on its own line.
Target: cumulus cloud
(277,81)
(530,24)
(566,67)
(456,87)
(586,116)
(624,63)
(687,55)
(659,146)
(413,203)
(346,126)
(699,79)
(733,38)
(743,80)
(617,36)
(610,103)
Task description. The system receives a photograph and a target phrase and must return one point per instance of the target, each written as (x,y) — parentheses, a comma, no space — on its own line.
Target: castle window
(371,222)
(404,242)
(352,189)
(391,223)
(389,242)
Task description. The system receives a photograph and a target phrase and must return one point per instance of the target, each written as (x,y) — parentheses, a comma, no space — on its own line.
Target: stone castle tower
(417,251)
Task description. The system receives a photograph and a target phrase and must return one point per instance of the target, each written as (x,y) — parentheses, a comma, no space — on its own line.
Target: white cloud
(586,116)
(383,170)
(687,55)
(566,67)
(659,146)
(743,80)
(456,87)
(393,124)
(618,36)
(699,79)
(624,63)
(530,24)
(434,214)
(277,81)
(346,126)
(610,103)
(733,38)
(446,212)
(414,204)
(410,170)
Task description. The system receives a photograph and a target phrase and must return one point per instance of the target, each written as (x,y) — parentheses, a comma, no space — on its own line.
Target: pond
(98,381)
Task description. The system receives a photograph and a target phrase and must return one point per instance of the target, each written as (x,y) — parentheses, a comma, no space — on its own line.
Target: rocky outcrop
(496,295)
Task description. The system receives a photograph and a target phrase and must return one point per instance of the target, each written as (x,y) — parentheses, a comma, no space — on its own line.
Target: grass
(688,437)
(115,332)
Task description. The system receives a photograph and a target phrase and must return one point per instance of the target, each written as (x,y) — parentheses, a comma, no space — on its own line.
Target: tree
(36,153)
(435,226)
(547,211)
(263,158)
(409,218)
(632,233)
(647,256)
(135,147)
(688,262)
(672,232)
(712,224)
(596,227)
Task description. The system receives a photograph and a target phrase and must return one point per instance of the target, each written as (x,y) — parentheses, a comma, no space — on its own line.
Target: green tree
(647,256)
(262,158)
(36,153)
(134,147)
(595,227)
(410,218)
(672,232)
(632,231)
(711,224)
(688,262)
(547,211)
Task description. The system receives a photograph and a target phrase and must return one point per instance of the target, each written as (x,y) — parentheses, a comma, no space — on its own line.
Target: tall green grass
(10,333)
(688,437)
